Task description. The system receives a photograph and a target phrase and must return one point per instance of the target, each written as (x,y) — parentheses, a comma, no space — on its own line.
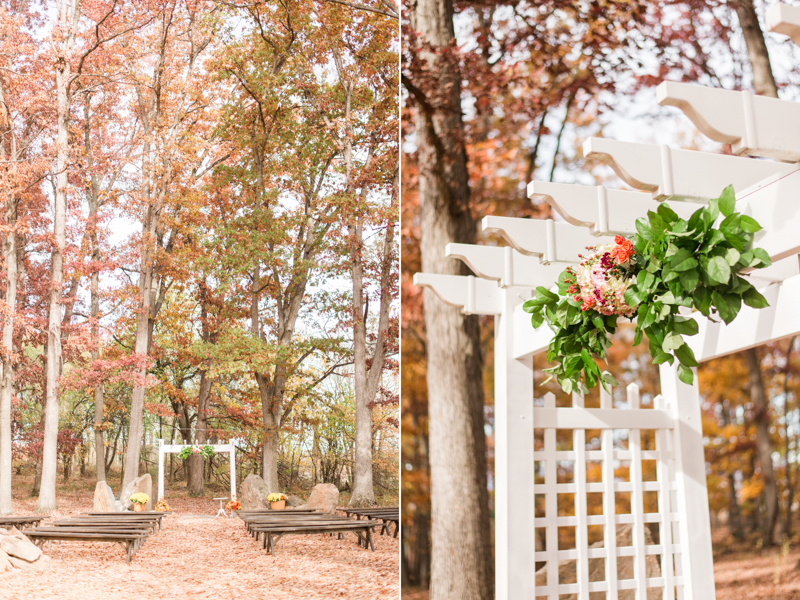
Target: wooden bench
(275,531)
(19,522)
(251,523)
(131,541)
(134,516)
(147,526)
(387,515)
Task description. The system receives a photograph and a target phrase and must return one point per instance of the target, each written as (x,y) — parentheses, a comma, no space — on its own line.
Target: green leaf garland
(668,264)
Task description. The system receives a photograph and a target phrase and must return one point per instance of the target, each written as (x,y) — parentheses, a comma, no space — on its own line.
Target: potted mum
(162,506)
(139,499)
(277,501)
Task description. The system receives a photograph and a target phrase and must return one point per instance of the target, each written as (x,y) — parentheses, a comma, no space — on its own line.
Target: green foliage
(679,263)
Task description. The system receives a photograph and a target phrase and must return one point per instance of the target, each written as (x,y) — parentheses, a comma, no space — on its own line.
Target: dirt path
(215,559)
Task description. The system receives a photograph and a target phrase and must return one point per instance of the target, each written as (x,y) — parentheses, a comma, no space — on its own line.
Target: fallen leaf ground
(749,574)
(198,558)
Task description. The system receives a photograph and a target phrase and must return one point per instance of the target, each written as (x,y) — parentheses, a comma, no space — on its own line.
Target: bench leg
(369,539)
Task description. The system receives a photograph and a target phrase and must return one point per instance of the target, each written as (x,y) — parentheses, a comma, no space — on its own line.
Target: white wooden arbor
(537,252)
(164,449)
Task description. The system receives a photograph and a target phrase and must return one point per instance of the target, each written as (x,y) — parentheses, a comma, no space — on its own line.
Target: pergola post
(160,469)
(233,472)
(513,450)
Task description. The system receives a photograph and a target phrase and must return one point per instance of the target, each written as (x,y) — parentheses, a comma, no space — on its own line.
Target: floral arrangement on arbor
(233,505)
(162,506)
(207,451)
(139,498)
(276,497)
(670,264)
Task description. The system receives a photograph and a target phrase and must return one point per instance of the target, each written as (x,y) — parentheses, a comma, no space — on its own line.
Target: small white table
(221,508)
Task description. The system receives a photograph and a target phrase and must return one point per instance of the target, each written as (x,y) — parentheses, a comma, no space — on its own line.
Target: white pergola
(164,449)
(538,251)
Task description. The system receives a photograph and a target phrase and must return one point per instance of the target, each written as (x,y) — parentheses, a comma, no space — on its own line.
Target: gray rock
(567,568)
(5,564)
(103,498)
(324,496)
(294,501)
(140,484)
(253,493)
(41,565)
(16,547)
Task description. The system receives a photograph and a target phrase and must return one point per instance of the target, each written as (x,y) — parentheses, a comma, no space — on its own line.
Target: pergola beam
(504,265)
(785,19)
(552,242)
(680,175)
(473,295)
(606,212)
(752,125)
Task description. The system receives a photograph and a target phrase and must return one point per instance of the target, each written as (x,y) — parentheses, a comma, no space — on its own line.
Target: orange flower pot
(278,505)
(138,507)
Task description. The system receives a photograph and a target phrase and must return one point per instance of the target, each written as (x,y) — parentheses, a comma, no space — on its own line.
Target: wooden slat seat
(19,522)
(266,511)
(156,521)
(133,516)
(387,515)
(150,525)
(251,523)
(130,540)
(274,531)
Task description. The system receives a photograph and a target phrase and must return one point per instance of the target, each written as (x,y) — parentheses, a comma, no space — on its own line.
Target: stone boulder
(23,549)
(294,501)
(567,568)
(104,500)
(140,484)
(324,497)
(253,493)
(40,565)
(5,564)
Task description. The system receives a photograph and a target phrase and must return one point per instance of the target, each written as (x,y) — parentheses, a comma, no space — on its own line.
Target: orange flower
(622,251)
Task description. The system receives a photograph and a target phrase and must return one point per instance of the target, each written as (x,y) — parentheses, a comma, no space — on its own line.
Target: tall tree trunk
(367,380)
(8,150)
(461,554)
(734,513)
(136,423)
(68,16)
(763,84)
(763,445)
(763,79)
(7,382)
(271,389)
(787,440)
(94,314)
(203,400)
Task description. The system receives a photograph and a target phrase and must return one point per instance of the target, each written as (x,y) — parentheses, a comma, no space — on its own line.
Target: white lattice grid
(607,419)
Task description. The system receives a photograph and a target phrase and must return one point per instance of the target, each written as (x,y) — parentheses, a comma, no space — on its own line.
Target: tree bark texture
(8,150)
(203,402)
(763,444)
(368,379)
(764,85)
(93,200)
(7,382)
(461,555)
(763,79)
(68,17)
